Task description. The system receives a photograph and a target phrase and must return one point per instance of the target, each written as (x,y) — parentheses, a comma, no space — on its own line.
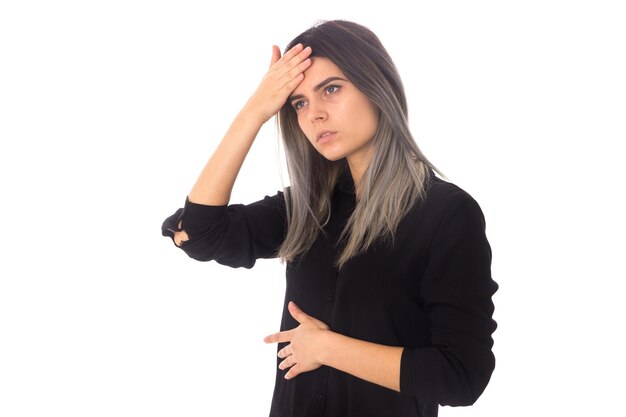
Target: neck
(358,166)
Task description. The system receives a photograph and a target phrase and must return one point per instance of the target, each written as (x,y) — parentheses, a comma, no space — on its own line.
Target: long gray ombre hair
(396,176)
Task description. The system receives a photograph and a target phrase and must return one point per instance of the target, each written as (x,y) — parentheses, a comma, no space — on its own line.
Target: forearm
(216,180)
(379,364)
(215,183)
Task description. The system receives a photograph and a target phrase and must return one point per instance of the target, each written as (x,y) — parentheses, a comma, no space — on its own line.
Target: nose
(317,111)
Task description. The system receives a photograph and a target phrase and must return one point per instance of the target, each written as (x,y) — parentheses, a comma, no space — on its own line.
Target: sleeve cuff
(196,218)
(407,366)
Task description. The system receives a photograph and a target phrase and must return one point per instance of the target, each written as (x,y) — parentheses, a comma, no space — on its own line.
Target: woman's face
(335,116)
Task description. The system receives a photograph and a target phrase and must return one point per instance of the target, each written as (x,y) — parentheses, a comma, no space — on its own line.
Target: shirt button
(318,396)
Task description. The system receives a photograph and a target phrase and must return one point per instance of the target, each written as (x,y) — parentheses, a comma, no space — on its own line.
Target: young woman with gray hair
(388,305)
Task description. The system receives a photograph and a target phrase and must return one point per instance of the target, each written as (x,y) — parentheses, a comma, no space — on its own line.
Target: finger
(298,69)
(304,53)
(297,48)
(284,352)
(275,55)
(287,363)
(295,75)
(180,237)
(296,312)
(278,337)
(293,58)
(293,372)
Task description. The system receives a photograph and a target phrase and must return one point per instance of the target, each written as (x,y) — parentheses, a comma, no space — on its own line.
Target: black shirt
(429,292)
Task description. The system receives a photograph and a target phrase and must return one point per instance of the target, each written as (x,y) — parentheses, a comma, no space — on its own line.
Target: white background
(109,110)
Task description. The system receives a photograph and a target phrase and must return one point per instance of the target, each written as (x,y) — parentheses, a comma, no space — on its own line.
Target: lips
(325,133)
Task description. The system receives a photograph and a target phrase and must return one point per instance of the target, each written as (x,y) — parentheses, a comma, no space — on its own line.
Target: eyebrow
(316,88)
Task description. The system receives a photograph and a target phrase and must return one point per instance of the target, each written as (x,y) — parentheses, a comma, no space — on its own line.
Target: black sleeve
(234,235)
(456,289)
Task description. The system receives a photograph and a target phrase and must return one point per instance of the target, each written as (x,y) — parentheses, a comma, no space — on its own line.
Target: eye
(332,89)
(298,104)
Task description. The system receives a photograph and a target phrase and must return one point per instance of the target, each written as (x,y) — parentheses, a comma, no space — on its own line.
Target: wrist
(325,342)
(250,114)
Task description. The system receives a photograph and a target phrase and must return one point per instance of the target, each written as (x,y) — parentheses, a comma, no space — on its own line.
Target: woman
(388,307)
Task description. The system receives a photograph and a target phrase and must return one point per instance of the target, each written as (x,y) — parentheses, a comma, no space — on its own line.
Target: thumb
(275,55)
(296,313)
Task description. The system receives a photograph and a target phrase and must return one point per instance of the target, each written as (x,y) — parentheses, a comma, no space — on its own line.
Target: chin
(333,157)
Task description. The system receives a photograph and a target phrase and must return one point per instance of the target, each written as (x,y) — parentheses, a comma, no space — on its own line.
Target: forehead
(321,68)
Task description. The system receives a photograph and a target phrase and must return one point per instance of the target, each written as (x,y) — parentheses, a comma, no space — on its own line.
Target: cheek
(370,122)
(306,129)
